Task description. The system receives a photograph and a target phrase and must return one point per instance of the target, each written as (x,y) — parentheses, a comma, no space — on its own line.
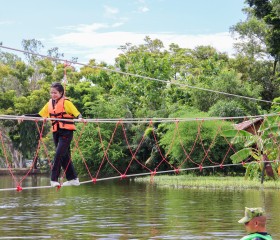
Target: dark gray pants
(62,139)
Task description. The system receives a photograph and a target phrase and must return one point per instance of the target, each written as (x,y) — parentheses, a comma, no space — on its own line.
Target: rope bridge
(163,165)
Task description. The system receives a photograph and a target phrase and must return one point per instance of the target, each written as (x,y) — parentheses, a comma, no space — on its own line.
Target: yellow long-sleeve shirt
(68,106)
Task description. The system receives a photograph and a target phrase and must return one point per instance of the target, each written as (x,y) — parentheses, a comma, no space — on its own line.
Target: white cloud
(6,22)
(86,43)
(109,11)
(221,41)
(144,9)
(117,24)
(85,28)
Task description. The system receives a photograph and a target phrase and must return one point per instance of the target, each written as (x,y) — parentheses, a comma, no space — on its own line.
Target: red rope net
(134,164)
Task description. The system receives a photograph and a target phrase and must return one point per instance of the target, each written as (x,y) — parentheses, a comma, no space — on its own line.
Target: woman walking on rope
(60,107)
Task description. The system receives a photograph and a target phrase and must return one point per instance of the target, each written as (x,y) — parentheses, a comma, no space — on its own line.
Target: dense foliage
(155,81)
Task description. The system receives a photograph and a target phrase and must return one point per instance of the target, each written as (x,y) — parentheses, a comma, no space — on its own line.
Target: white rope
(131,120)
(139,76)
(139,175)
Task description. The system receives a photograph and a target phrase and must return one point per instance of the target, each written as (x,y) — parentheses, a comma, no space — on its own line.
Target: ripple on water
(55,204)
(7,206)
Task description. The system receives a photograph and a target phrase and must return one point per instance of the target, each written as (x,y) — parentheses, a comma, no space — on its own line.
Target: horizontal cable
(131,120)
(139,76)
(135,175)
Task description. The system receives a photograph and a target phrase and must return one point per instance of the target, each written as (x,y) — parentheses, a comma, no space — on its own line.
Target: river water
(124,209)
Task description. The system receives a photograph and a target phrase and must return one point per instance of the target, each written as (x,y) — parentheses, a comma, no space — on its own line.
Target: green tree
(261,146)
(226,81)
(190,140)
(227,109)
(92,148)
(84,95)
(259,36)
(149,60)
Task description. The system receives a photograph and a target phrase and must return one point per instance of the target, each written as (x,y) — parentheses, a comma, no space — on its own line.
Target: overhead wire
(134,120)
(139,76)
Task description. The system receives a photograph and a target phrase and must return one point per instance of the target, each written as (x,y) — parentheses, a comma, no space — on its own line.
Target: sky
(95,29)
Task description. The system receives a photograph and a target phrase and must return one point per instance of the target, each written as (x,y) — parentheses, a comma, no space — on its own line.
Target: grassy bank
(190,181)
(21,171)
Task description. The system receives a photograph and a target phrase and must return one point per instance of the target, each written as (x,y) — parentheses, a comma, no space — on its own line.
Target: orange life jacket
(56,110)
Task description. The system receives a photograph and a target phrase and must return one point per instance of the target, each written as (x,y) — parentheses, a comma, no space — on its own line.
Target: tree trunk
(14,153)
(267,168)
(274,67)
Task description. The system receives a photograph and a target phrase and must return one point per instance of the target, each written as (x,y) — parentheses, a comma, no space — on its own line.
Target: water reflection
(128,210)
